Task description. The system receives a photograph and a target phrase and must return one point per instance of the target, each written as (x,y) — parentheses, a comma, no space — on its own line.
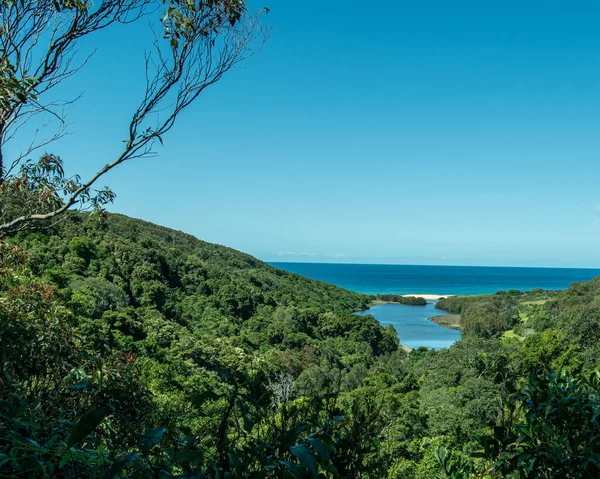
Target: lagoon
(413,326)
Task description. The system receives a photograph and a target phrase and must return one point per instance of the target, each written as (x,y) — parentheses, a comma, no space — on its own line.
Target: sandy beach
(428,297)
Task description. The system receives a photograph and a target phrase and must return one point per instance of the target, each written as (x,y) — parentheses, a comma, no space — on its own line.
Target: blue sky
(397,132)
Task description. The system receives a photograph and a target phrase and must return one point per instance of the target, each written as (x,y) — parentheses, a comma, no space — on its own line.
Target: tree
(557,437)
(198,42)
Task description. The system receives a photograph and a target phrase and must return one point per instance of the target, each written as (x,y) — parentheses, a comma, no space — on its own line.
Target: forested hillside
(196,324)
(133,350)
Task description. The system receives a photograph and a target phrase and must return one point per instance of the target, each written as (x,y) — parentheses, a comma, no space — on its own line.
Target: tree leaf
(306,458)
(292,436)
(63,461)
(199,399)
(82,385)
(295,470)
(120,464)
(321,448)
(86,425)
(153,436)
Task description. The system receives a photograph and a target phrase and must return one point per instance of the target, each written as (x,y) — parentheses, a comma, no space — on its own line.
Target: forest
(132,350)
(395,298)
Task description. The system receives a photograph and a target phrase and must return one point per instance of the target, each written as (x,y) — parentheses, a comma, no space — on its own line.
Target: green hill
(136,280)
(137,256)
(199,329)
(132,350)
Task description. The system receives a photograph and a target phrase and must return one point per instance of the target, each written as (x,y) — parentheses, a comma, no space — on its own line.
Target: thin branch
(184,64)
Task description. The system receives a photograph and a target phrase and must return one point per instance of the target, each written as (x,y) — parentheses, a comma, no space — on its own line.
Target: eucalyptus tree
(196,42)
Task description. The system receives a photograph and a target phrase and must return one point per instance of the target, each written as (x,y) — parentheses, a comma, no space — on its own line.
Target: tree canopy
(130,350)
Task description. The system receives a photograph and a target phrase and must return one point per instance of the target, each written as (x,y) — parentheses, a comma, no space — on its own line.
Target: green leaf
(295,470)
(321,448)
(187,455)
(200,398)
(338,419)
(34,444)
(248,423)
(306,458)
(82,385)
(292,436)
(234,462)
(86,425)
(64,460)
(120,464)
(153,436)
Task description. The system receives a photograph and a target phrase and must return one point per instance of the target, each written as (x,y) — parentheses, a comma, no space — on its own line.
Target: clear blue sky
(392,132)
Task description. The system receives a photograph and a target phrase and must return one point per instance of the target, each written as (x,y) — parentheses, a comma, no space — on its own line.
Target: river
(413,326)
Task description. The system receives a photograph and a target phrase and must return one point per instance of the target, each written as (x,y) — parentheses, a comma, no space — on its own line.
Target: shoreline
(428,297)
(450,321)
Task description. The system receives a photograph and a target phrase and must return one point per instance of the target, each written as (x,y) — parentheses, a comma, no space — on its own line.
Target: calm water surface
(412,325)
(405,279)
(411,322)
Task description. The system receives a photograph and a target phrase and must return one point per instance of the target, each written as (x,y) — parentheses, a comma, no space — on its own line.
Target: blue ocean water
(406,279)
(412,325)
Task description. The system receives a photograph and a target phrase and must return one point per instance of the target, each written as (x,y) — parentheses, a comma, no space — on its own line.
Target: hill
(132,350)
(196,325)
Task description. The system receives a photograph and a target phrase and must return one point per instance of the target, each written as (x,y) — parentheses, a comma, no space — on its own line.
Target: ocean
(407,279)
(411,322)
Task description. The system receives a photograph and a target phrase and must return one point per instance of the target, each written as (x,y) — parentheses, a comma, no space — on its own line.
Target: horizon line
(437,265)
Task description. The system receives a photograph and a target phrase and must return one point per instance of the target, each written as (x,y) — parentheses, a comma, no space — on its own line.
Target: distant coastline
(426,281)
(428,297)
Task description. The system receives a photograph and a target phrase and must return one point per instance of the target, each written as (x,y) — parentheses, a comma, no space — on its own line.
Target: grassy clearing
(539,301)
(511,334)
(379,302)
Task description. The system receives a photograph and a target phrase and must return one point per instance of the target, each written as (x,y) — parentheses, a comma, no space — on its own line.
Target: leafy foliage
(558,436)
(137,351)
(395,298)
(40,187)
(488,316)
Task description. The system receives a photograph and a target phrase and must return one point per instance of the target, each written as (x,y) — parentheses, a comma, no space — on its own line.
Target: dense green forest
(132,350)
